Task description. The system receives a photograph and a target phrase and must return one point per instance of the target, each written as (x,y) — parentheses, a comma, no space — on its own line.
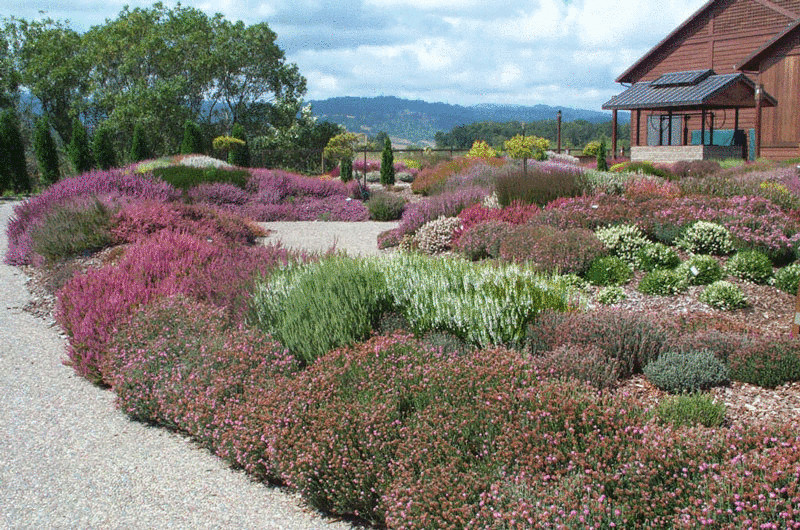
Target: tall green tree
(192,138)
(139,148)
(78,150)
(9,76)
(602,163)
(239,155)
(46,153)
(103,147)
(387,164)
(13,170)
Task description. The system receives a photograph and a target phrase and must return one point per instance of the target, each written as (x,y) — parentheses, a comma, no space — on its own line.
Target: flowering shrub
(700,270)
(707,238)
(787,278)
(663,282)
(435,237)
(449,204)
(515,214)
(482,240)
(606,182)
(722,344)
(72,229)
(750,265)
(623,241)
(768,363)
(609,270)
(274,186)
(218,194)
(92,305)
(686,372)
(308,209)
(552,250)
(654,256)
(541,183)
(584,362)
(645,188)
(385,207)
(113,186)
(431,180)
(694,168)
(723,295)
(610,295)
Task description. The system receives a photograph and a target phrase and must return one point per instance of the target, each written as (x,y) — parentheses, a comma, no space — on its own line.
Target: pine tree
(346,169)
(192,138)
(103,147)
(46,153)
(80,154)
(602,164)
(139,148)
(239,155)
(387,164)
(13,170)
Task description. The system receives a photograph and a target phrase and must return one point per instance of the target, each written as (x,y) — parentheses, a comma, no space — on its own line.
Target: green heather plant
(13,170)
(71,230)
(787,278)
(654,256)
(609,270)
(624,241)
(663,282)
(687,372)
(750,265)
(385,206)
(387,164)
(103,147)
(192,142)
(186,177)
(46,153)
(690,410)
(700,270)
(768,362)
(723,295)
(613,294)
(78,150)
(704,237)
(139,148)
(584,362)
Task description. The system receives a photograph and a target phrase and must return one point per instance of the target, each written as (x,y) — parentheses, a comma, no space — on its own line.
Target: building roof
(751,63)
(695,89)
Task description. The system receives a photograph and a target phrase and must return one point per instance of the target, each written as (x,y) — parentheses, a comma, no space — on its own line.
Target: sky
(555,52)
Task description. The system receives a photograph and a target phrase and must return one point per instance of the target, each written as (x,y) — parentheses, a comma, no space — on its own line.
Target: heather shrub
(431,180)
(694,168)
(707,238)
(787,278)
(186,177)
(690,410)
(71,230)
(700,270)
(767,363)
(386,207)
(583,362)
(655,256)
(482,240)
(275,186)
(445,342)
(308,209)
(623,241)
(609,270)
(482,304)
(218,194)
(633,339)
(686,372)
(642,189)
(644,168)
(314,308)
(435,237)
(723,295)
(542,183)
(90,306)
(722,344)
(389,238)
(750,265)
(552,250)
(663,282)
(515,214)
(610,295)
(448,204)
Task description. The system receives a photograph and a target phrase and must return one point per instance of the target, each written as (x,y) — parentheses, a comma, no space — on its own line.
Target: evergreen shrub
(767,363)
(663,282)
(787,278)
(654,256)
(704,237)
(700,270)
(691,410)
(386,207)
(609,270)
(687,372)
(46,153)
(723,295)
(750,265)
(78,150)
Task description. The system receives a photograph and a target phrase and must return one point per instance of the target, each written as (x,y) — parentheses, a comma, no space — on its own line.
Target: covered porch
(681,110)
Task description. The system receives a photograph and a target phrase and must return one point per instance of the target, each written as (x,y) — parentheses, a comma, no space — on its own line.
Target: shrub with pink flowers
(515,214)
(482,240)
(549,249)
(91,306)
(449,204)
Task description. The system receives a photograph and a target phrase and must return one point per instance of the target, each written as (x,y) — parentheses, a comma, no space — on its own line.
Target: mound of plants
(723,295)
(72,229)
(541,183)
(700,270)
(663,282)
(750,265)
(686,372)
(185,177)
(551,250)
(385,207)
(767,363)
(787,278)
(609,270)
(691,410)
(481,240)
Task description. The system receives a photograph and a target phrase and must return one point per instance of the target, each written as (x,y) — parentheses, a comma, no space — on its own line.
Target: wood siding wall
(721,38)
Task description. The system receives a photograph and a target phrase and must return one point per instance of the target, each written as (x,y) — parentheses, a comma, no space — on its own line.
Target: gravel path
(354,238)
(69,459)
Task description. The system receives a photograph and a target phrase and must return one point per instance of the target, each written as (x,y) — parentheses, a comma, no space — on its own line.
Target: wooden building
(759,39)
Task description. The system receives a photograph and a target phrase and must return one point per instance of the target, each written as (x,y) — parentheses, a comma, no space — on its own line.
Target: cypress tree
(239,155)
(46,153)
(387,164)
(192,138)
(13,170)
(80,154)
(139,148)
(346,169)
(602,164)
(103,147)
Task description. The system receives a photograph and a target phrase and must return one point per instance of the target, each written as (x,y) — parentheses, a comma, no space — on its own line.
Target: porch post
(759,90)
(669,124)
(638,126)
(703,127)
(614,133)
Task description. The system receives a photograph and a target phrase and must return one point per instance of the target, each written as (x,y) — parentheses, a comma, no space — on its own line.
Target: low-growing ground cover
(508,406)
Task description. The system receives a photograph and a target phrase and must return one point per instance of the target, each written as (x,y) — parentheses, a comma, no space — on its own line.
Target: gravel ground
(354,238)
(69,459)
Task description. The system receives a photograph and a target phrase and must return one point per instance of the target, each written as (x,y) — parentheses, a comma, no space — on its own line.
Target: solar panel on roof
(689,78)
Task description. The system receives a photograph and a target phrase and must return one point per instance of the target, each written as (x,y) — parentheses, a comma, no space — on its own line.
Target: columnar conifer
(387,164)
(46,153)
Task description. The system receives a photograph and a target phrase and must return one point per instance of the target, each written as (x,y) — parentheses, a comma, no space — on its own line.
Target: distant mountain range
(417,121)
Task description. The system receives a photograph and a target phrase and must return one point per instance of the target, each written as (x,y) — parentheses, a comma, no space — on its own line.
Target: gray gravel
(69,459)
(354,238)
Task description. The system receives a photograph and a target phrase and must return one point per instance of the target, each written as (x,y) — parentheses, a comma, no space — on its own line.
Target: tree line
(573,134)
(155,69)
